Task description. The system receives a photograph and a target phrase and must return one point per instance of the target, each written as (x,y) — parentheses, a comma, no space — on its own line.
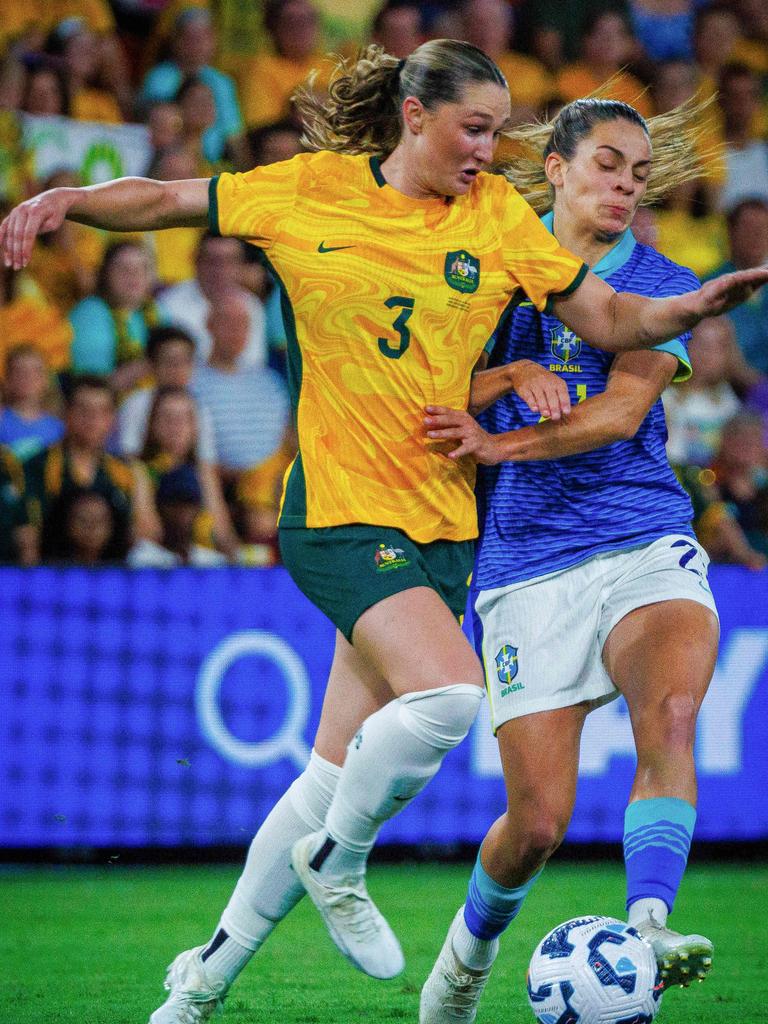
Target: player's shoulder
(661,269)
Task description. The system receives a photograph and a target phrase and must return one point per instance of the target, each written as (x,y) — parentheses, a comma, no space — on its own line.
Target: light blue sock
(490,907)
(657,838)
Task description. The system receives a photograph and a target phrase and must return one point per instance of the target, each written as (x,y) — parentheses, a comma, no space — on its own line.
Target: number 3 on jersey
(406,309)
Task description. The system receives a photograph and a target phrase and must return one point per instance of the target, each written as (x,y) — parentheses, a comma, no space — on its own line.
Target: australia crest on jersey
(462,271)
(564,345)
(387,558)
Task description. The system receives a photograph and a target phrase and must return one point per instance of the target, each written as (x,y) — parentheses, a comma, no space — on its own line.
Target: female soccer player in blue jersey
(589,581)
(396,254)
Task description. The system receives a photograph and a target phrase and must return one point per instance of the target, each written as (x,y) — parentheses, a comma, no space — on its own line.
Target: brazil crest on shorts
(506,663)
(462,271)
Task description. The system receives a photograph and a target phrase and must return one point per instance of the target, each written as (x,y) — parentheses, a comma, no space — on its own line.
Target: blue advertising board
(174,707)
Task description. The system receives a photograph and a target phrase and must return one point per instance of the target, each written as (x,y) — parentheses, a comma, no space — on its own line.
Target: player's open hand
(541,390)
(445,424)
(730,290)
(34,217)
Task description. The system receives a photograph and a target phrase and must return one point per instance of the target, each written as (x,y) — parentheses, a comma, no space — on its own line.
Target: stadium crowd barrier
(173,707)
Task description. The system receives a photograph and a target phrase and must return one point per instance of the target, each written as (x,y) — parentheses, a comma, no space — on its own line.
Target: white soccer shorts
(543,638)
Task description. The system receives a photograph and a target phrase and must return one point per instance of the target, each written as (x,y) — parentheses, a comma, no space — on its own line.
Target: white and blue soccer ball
(594,970)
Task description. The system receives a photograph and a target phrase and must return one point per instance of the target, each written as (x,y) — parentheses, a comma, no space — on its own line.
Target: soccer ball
(594,970)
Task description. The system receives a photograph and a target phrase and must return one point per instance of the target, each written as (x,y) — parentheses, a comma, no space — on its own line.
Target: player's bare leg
(412,640)
(539,754)
(268,889)
(662,657)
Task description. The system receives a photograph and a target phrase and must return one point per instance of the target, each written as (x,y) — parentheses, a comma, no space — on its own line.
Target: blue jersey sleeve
(679,281)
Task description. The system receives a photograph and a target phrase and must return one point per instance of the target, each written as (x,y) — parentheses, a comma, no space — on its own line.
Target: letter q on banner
(288,740)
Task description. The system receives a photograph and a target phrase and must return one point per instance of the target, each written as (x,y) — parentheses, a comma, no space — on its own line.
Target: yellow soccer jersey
(388,303)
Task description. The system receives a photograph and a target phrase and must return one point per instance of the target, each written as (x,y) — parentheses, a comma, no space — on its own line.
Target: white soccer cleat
(681,958)
(355,924)
(195,995)
(452,991)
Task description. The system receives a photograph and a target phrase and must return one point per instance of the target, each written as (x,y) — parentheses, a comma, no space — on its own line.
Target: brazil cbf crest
(462,271)
(387,558)
(564,344)
(506,663)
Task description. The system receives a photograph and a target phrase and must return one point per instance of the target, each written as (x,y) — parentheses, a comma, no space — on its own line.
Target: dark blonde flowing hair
(361,112)
(676,137)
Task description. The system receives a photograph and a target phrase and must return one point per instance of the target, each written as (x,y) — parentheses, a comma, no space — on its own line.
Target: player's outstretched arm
(617,321)
(542,391)
(636,381)
(126,204)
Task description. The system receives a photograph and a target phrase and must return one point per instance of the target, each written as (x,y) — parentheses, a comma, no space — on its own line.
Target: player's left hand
(445,424)
(726,292)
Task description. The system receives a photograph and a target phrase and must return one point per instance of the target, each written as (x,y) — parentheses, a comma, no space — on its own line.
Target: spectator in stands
(65,264)
(748,240)
(192,49)
(179,500)
(80,460)
(664,29)
(557,28)
(607,47)
(80,54)
(676,82)
(746,157)
(266,87)
(198,113)
(85,530)
(753,47)
(731,500)
(173,440)
(165,126)
(111,327)
(488,24)
(697,409)
(174,249)
(716,34)
(249,406)
(690,231)
(45,91)
(171,356)
(270,143)
(219,265)
(18,537)
(398,28)
(26,422)
(27,316)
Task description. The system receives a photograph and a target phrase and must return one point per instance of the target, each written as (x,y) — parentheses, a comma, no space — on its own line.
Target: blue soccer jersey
(540,517)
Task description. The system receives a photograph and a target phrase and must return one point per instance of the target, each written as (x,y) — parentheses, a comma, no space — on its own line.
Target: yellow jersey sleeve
(533,257)
(256,204)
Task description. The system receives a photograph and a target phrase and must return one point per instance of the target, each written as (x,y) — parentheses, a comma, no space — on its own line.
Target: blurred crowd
(145,411)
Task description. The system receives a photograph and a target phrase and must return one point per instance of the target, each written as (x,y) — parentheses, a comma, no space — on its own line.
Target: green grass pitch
(89,946)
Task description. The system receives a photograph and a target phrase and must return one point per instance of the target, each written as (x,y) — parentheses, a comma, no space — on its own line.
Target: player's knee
(672,726)
(543,838)
(441,717)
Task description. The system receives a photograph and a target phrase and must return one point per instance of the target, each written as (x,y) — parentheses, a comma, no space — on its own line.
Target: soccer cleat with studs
(354,922)
(681,958)
(195,996)
(452,991)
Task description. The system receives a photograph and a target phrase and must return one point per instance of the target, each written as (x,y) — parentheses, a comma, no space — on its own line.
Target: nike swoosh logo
(332,248)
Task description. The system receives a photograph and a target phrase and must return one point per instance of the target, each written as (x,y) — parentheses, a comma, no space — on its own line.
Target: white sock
(474,953)
(392,758)
(640,910)
(268,888)
(224,956)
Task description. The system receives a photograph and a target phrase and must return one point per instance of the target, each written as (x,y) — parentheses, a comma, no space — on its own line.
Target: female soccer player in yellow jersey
(396,255)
